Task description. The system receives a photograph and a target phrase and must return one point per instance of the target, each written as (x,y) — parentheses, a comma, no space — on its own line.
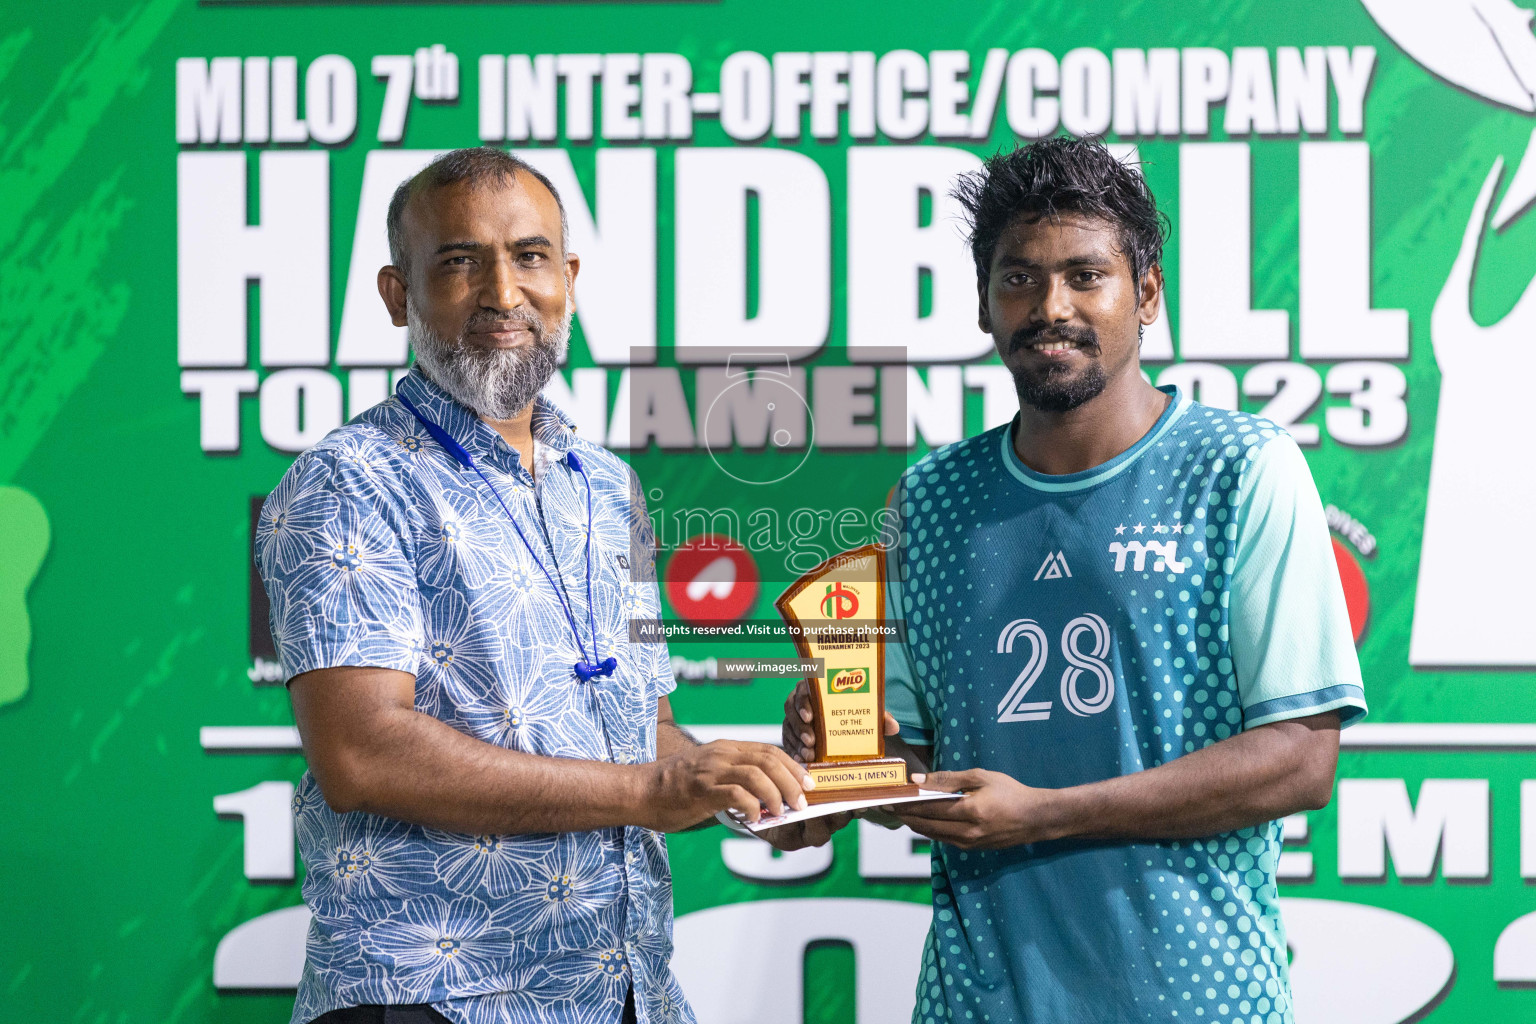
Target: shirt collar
(550,425)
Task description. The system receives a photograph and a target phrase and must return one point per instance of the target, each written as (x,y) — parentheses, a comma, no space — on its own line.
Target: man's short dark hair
(1055,176)
(480,165)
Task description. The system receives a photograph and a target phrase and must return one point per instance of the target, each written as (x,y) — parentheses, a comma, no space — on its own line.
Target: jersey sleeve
(341,587)
(903,692)
(1292,646)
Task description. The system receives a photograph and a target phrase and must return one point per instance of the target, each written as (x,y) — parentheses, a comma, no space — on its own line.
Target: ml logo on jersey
(1054,567)
(1167,552)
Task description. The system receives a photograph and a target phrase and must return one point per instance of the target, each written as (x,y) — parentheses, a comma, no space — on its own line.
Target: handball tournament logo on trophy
(841,602)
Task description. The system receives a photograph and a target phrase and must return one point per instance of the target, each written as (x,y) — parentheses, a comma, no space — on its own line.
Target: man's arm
(671,738)
(370,750)
(1258,775)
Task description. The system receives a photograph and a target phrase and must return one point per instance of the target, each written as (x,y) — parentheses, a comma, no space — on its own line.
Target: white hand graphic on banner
(1471,591)
(1471,607)
(1483,46)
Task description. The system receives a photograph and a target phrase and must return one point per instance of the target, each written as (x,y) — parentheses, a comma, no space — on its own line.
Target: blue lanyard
(585,670)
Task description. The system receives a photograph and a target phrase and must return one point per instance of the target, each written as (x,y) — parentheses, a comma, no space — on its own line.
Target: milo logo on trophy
(837,614)
(848,680)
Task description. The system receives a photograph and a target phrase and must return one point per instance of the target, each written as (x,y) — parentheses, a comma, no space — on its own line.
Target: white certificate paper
(748,828)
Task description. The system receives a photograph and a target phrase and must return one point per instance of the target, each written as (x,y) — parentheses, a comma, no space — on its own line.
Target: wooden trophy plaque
(849,695)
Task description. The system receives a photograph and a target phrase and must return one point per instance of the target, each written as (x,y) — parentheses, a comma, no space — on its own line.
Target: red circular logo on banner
(711,579)
(1357,593)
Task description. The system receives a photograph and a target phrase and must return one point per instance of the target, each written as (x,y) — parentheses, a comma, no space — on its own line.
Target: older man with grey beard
(452,575)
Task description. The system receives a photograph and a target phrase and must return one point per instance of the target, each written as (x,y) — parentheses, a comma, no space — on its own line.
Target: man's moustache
(1082,337)
(519,319)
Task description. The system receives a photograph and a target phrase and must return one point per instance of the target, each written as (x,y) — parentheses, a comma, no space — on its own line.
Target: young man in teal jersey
(1126,645)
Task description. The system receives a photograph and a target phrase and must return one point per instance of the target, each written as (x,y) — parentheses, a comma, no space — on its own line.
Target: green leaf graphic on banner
(23,544)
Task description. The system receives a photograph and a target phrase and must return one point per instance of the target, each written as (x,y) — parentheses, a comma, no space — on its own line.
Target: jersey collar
(1100,473)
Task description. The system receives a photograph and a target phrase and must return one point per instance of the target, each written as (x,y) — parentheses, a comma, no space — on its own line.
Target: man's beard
(494,383)
(1054,388)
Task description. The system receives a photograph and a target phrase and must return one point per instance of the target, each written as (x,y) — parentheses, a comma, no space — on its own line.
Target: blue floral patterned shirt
(378,549)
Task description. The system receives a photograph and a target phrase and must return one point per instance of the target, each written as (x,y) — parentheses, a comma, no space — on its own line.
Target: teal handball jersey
(1069,629)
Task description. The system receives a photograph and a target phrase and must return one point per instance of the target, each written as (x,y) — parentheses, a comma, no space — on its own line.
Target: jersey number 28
(1015,708)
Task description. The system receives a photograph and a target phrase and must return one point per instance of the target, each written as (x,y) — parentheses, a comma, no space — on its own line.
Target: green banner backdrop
(192,219)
